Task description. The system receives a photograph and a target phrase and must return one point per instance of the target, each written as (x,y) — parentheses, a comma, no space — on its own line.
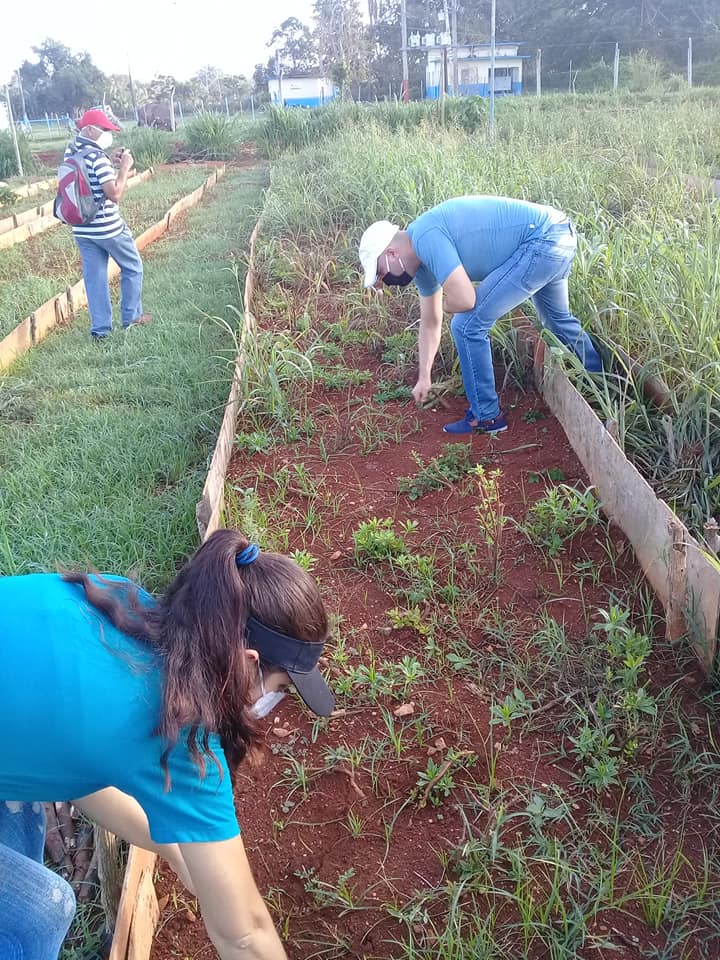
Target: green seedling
(259,441)
(304,559)
(442,471)
(560,515)
(409,617)
(387,391)
(375,540)
(515,706)
(555,474)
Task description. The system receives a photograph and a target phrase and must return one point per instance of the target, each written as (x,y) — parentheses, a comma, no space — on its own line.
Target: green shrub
(148,146)
(212,136)
(8,160)
(7,196)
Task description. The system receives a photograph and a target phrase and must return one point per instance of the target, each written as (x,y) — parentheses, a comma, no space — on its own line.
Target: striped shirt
(107,222)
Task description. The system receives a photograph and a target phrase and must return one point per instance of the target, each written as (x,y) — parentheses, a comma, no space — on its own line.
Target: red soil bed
(288,834)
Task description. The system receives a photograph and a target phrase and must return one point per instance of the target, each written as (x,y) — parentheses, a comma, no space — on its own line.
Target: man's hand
(126,160)
(421,390)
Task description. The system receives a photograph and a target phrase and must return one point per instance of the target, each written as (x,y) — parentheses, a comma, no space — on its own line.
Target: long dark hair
(198,629)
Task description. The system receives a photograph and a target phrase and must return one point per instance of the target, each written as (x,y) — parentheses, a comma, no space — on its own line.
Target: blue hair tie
(248,555)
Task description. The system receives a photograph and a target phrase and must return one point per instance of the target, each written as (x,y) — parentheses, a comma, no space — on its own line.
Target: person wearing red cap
(107,234)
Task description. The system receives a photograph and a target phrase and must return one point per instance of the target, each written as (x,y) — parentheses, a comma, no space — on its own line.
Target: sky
(174,37)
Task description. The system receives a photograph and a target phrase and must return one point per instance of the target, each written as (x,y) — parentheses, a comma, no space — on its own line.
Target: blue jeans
(36,905)
(95,255)
(538,270)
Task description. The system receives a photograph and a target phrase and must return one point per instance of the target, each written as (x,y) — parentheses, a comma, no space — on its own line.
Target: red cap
(96,118)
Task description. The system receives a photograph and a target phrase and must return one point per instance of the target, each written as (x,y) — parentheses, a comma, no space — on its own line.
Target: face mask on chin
(105,140)
(264,704)
(396,279)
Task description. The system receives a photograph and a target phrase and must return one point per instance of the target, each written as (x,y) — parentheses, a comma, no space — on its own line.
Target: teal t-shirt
(79,704)
(478,232)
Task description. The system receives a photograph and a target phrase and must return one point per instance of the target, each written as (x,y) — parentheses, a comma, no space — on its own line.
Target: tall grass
(212,136)
(647,275)
(148,146)
(8,160)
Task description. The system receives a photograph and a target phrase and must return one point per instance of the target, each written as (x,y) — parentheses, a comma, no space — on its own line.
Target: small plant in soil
(388,391)
(442,471)
(335,894)
(436,782)
(376,540)
(339,378)
(409,617)
(621,717)
(257,441)
(560,515)
(515,706)
(400,348)
(490,513)
(304,559)
(554,474)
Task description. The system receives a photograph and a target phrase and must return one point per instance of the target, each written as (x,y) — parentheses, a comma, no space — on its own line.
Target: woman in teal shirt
(139,711)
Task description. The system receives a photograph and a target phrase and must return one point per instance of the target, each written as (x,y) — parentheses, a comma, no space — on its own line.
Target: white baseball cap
(376,239)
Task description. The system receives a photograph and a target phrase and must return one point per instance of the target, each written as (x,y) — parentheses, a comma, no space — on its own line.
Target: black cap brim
(314,691)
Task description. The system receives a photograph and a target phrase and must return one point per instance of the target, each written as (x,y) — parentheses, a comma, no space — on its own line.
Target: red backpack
(74,203)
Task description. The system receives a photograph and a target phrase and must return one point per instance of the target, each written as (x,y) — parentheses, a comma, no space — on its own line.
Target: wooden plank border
(685,581)
(30,189)
(61,308)
(210,508)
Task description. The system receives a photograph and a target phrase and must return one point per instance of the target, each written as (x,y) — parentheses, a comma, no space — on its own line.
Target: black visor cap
(298,659)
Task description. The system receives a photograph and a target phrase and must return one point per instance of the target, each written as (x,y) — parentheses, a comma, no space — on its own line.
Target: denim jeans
(538,270)
(36,905)
(95,255)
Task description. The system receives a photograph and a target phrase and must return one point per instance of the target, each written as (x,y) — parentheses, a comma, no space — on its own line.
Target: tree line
(363,53)
(61,82)
(359,48)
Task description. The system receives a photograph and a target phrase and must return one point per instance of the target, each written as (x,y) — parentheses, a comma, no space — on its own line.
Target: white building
(473,67)
(301,91)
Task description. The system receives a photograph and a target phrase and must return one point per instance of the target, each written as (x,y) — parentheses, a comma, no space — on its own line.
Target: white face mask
(105,140)
(263,705)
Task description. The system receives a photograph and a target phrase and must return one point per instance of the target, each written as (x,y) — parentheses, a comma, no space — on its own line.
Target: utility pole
(616,67)
(454,41)
(538,72)
(443,84)
(22,95)
(404,42)
(690,62)
(492,69)
(14,132)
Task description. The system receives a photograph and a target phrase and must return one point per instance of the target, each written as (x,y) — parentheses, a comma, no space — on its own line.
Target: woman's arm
(123,815)
(236,917)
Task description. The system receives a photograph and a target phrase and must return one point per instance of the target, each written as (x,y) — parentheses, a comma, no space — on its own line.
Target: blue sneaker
(469,424)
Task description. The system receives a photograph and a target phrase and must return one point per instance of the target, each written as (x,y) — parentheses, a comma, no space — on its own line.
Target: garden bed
(520,764)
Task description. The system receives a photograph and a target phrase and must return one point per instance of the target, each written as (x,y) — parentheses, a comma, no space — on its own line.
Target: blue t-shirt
(79,704)
(480,233)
